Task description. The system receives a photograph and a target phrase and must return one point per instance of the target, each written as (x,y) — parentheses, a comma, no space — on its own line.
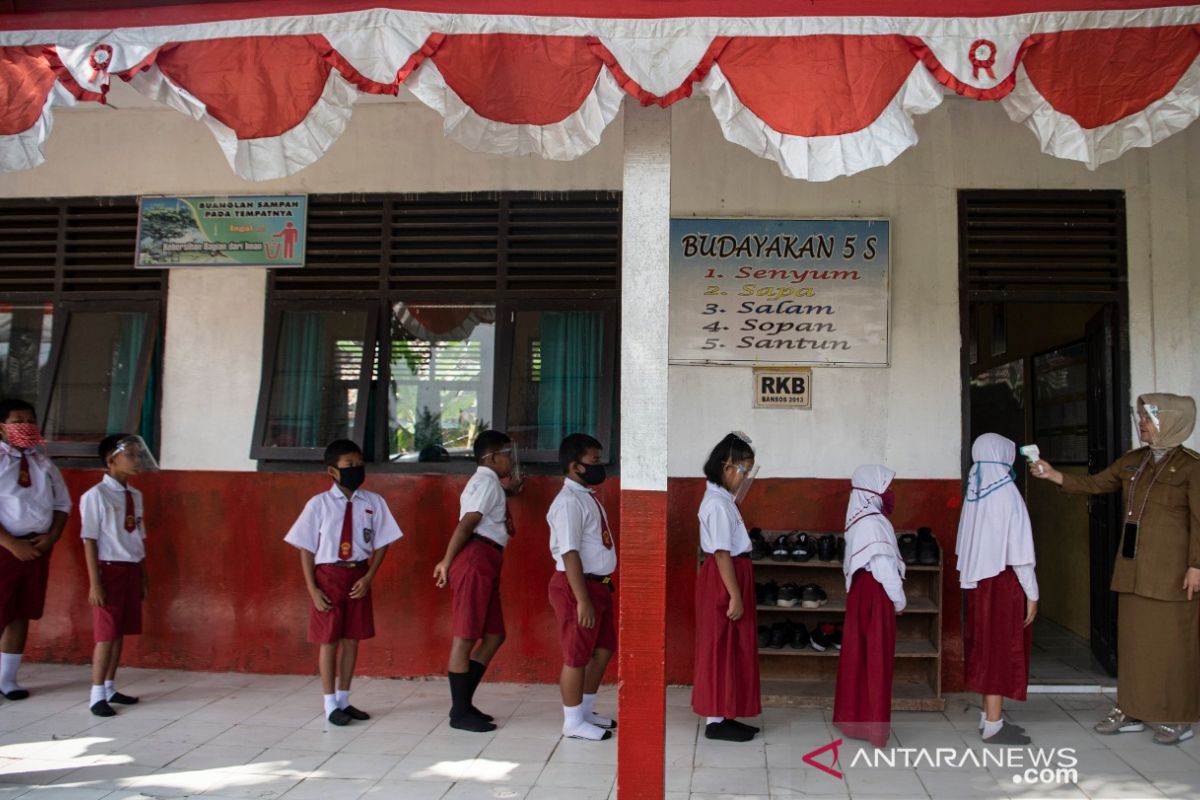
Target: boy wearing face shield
(113,533)
(581,590)
(342,535)
(34,505)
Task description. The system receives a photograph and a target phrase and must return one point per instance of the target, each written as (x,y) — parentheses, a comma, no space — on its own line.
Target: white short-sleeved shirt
(484,495)
(318,529)
(26,510)
(721,525)
(578,522)
(102,509)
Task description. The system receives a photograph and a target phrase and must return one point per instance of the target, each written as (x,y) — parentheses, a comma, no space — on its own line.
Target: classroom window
(473,312)
(79,326)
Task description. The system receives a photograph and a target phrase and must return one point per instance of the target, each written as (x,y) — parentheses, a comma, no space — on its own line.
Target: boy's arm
(22,549)
(584,611)
(458,540)
(363,584)
(91,554)
(308,565)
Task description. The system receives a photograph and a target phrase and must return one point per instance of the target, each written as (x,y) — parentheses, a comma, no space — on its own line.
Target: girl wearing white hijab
(862,706)
(995,566)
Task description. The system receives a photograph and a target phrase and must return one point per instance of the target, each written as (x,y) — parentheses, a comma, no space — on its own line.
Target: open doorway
(1044,328)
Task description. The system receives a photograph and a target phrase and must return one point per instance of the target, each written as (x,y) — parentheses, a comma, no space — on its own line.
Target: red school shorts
(349,618)
(121,614)
(579,643)
(22,587)
(475,581)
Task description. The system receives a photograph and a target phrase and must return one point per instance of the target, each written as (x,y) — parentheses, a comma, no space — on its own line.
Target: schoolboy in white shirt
(113,533)
(581,589)
(343,535)
(34,504)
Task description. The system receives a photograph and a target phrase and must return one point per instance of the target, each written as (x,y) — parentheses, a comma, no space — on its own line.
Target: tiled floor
(1060,656)
(256,736)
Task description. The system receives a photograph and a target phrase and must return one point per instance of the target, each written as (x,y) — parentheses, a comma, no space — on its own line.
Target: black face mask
(350,478)
(593,474)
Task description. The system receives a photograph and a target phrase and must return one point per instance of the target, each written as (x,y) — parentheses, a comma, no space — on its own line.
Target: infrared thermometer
(1031,452)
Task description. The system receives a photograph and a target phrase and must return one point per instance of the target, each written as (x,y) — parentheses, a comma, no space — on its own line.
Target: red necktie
(23,478)
(346,546)
(130,517)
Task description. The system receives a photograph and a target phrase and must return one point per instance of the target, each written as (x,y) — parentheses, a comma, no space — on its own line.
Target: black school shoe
(813,596)
(841,548)
(339,717)
(826,548)
(764,636)
(800,637)
(927,547)
(770,595)
(781,634)
(1008,736)
(802,549)
(122,699)
(908,548)
(780,549)
(789,595)
(474,723)
(16,694)
(822,637)
(727,731)
(101,708)
(355,714)
(759,549)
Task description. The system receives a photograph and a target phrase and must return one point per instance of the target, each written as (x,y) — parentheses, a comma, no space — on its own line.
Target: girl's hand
(1191,581)
(735,608)
(441,574)
(1031,610)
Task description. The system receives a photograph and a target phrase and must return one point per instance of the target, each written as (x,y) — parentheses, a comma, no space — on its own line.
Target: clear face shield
(134,455)
(744,489)
(514,455)
(1146,412)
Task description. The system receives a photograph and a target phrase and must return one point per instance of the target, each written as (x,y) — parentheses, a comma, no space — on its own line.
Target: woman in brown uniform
(1157,573)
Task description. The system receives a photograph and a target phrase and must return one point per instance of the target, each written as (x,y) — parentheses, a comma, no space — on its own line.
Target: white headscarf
(993,530)
(868,532)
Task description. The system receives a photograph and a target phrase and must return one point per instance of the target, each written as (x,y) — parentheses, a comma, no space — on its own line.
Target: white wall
(906,416)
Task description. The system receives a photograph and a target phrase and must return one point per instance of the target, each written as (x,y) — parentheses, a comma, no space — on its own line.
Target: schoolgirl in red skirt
(996,570)
(862,706)
(726,682)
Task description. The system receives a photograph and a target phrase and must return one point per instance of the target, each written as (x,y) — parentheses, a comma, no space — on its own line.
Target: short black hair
(11,404)
(108,444)
(574,447)
(338,448)
(433,452)
(489,442)
(733,449)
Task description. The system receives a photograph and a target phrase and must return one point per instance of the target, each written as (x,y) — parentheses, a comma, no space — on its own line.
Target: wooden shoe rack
(806,678)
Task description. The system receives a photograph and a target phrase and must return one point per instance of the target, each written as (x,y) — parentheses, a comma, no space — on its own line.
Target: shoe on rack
(759,549)
(1172,734)
(928,552)
(770,595)
(813,596)
(908,547)
(837,636)
(764,636)
(781,634)
(802,549)
(826,548)
(800,637)
(781,549)
(841,548)
(822,637)
(1116,722)
(789,595)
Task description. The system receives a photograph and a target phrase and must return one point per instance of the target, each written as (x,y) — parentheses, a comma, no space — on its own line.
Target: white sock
(330,704)
(343,698)
(109,691)
(9,662)
(992,728)
(711,720)
(589,700)
(576,727)
(97,695)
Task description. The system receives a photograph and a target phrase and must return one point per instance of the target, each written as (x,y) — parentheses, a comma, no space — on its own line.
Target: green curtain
(148,422)
(126,353)
(299,370)
(569,391)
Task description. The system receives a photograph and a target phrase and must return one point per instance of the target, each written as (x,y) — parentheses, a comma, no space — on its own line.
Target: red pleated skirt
(726,674)
(996,641)
(862,704)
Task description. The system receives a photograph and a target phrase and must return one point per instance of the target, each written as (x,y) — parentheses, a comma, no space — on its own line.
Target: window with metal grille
(421,320)
(79,326)
(1030,245)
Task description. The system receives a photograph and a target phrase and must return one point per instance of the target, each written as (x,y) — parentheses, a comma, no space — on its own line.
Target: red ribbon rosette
(100,60)
(982,53)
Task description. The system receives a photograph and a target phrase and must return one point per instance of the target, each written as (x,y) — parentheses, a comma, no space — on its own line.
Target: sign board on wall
(777,291)
(783,387)
(257,230)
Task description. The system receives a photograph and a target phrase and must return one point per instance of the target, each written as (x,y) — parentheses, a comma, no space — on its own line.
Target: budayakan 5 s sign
(257,230)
